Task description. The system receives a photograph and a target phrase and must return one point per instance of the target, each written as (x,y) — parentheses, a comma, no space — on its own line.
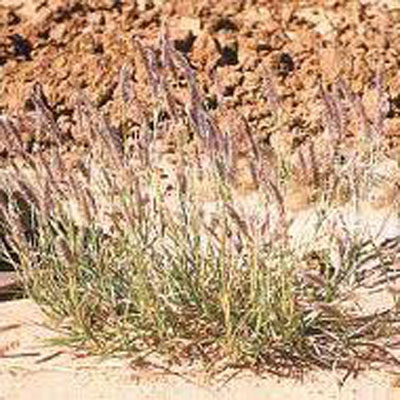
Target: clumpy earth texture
(275,64)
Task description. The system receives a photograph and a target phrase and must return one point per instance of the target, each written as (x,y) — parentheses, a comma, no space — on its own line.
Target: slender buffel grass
(125,265)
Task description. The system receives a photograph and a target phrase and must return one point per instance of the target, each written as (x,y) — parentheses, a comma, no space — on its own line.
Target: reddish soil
(243,51)
(252,57)
(272,62)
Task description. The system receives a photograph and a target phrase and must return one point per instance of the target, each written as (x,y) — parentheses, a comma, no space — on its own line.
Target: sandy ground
(30,368)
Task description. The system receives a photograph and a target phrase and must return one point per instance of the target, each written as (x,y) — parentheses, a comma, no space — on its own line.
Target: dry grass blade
(44,112)
(137,271)
(125,84)
(150,63)
(334,116)
(271,92)
(239,221)
(383,103)
(10,130)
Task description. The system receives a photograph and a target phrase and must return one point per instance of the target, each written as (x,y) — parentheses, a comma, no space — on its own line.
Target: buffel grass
(130,266)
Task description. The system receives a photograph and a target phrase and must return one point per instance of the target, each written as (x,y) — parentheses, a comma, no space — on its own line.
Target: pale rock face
(312,226)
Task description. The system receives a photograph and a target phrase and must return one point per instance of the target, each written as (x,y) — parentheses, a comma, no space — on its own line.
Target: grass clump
(130,266)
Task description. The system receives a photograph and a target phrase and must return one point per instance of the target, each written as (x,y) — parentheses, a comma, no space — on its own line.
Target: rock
(330,64)
(318,19)
(58,33)
(229,80)
(204,49)
(97,19)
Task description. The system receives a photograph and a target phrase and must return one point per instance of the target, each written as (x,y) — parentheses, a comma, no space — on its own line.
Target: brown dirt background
(239,50)
(236,47)
(83,44)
